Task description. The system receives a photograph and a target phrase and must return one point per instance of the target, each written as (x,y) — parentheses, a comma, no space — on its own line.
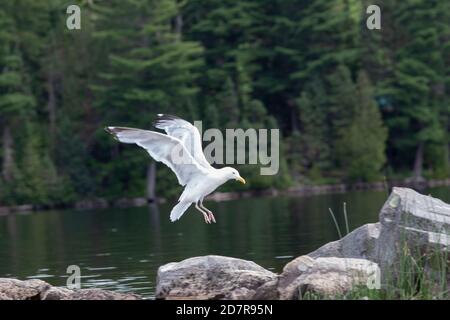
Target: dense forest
(353,104)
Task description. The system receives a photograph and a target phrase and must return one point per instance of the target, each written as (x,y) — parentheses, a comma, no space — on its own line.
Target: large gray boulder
(14,289)
(360,244)
(212,277)
(326,277)
(412,225)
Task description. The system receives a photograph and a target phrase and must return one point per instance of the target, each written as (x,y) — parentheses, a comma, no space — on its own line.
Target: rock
(22,208)
(268,291)
(4,296)
(90,204)
(287,283)
(360,244)
(4,211)
(325,277)
(56,293)
(99,294)
(211,277)
(13,289)
(130,202)
(412,224)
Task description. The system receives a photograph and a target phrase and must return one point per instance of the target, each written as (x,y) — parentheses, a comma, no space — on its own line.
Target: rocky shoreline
(411,225)
(35,289)
(299,191)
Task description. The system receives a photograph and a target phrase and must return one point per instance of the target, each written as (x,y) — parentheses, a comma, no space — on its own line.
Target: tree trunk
(151,181)
(418,162)
(179,24)
(8,155)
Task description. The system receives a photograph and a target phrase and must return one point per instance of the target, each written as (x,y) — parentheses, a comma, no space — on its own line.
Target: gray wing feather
(187,133)
(163,148)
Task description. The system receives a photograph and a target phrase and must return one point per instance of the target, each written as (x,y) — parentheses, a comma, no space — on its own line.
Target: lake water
(121,249)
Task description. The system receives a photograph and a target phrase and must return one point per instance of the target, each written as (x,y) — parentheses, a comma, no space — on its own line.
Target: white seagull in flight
(181,150)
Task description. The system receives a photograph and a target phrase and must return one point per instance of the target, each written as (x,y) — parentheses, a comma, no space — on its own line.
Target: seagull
(181,150)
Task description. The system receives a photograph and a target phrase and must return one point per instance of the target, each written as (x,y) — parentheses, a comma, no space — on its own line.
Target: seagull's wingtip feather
(111,131)
(162,120)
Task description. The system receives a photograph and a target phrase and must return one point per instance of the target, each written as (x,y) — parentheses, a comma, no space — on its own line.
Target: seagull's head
(233,174)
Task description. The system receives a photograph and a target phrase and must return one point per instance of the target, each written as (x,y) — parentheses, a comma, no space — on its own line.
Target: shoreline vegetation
(299,191)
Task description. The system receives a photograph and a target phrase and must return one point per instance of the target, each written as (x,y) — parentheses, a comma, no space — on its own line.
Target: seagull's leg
(211,216)
(205,215)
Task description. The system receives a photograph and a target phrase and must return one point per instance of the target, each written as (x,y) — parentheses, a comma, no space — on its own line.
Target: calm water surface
(121,249)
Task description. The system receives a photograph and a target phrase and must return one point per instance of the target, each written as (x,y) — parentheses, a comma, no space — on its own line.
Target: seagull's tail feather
(178,210)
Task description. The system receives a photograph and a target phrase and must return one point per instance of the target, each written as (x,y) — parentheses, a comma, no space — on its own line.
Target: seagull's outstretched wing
(166,149)
(185,132)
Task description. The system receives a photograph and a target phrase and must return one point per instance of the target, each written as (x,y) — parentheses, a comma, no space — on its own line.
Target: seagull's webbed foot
(205,214)
(210,214)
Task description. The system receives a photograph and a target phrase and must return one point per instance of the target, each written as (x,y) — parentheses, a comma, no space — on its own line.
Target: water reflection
(121,249)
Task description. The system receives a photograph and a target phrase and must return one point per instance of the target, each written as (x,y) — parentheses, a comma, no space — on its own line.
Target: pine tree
(361,146)
(228,105)
(414,83)
(226,30)
(329,30)
(150,70)
(16,101)
(341,102)
(314,153)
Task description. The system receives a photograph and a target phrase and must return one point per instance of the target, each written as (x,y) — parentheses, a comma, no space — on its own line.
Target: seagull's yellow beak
(240,179)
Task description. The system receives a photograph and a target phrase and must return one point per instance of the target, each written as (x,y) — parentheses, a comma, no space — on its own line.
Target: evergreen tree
(40,182)
(415,82)
(341,99)
(16,101)
(151,70)
(314,152)
(227,103)
(329,30)
(361,145)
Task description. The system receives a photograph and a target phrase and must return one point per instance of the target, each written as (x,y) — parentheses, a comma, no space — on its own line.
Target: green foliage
(361,144)
(415,82)
(314,150)
(307,67)
(150,70)
(40,181)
